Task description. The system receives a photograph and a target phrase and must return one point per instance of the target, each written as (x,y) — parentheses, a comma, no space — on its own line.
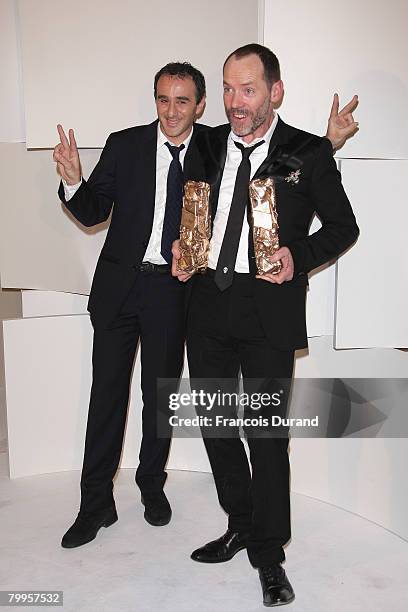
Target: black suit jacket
(282,307)
(126,177)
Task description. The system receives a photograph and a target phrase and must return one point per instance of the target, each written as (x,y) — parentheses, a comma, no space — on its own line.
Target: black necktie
(229,249)
(174,198)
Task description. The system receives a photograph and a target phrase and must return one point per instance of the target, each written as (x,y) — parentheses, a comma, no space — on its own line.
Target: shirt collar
(266,137)
(162,138)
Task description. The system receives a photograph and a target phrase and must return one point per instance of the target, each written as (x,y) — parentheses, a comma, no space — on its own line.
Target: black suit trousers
(154,313)
(224,336)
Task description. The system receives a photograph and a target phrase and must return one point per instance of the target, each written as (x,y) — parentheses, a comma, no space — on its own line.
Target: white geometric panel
(11,83)
(41,246)
(349,48)
(104,82)
(320,296)
(372,286)
(51,303)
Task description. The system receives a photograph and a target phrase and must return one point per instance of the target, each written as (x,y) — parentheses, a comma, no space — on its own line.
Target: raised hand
(341,125)
(67,157)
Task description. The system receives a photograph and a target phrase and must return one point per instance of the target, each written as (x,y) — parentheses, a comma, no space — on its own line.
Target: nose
(236,100)
(172,109)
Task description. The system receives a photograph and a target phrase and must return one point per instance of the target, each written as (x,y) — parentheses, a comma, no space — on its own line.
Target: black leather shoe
(157,509)
(277,590)
(87,525)
(223,549)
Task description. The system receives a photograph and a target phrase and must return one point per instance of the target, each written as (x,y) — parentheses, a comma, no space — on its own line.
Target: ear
(277,92)
(200,107)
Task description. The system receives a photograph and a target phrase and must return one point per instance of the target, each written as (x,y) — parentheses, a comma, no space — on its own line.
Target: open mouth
(238,115)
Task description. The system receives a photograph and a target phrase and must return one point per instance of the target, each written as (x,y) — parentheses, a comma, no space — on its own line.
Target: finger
(174,271)
(58,157)
(60,170)
(63,138)
(334,111)
(350,129)
(282,252)
(350,107)
(271,278)
(72,141)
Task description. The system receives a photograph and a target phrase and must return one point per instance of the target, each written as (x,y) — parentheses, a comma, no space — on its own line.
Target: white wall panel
(320,296)
(11,84)
(41,246)
(372,288)
(50,303)
(48,381)
(90,65)
(352,48)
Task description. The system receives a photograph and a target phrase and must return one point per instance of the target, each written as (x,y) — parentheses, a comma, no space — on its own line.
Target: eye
(227,89)
(249,91)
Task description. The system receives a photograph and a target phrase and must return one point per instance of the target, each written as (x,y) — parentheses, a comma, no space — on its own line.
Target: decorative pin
(293,177)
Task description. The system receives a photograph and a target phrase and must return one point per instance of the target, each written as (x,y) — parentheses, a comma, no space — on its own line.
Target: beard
(256,118)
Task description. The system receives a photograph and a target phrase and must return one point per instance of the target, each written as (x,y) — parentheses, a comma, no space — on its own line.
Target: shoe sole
(224,560)
(110,521)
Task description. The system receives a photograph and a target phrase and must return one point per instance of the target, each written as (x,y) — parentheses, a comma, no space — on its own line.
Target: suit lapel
(146,169)
(279,138)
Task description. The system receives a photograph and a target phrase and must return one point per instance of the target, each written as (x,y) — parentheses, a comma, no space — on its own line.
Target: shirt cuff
(70,190)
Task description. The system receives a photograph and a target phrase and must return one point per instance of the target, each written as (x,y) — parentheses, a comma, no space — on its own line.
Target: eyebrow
(241,84)
(186,98)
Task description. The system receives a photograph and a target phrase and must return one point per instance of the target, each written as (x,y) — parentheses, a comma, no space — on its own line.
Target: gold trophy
(265,226)
(195,227)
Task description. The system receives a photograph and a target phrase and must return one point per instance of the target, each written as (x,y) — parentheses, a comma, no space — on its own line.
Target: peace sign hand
(341,124)
(67,157)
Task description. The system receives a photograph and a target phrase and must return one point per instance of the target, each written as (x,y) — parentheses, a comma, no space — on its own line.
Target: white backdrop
(349,48)
(11,98)
(41,246)
(372,289)
(102,80)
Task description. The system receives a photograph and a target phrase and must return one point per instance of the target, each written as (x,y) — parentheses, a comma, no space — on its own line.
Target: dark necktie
(174,198)
(229,249)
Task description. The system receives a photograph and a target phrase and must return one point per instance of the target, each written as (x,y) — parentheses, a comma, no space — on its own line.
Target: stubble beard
(257,118)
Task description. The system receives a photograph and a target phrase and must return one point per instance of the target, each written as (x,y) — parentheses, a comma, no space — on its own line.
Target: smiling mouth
(239,114)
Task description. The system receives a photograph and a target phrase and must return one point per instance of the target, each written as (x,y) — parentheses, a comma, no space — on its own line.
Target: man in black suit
(239,320)
(133,295)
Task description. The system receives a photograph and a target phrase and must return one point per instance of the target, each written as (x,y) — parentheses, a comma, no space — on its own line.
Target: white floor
(336,561)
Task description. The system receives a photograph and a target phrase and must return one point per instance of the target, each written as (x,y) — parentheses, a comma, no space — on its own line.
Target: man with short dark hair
(133,295)
(240,320)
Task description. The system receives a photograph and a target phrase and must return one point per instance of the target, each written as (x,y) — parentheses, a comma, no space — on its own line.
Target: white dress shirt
(163,160)
(233,160)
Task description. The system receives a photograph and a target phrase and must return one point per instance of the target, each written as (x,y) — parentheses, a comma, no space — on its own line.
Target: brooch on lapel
(293,177)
